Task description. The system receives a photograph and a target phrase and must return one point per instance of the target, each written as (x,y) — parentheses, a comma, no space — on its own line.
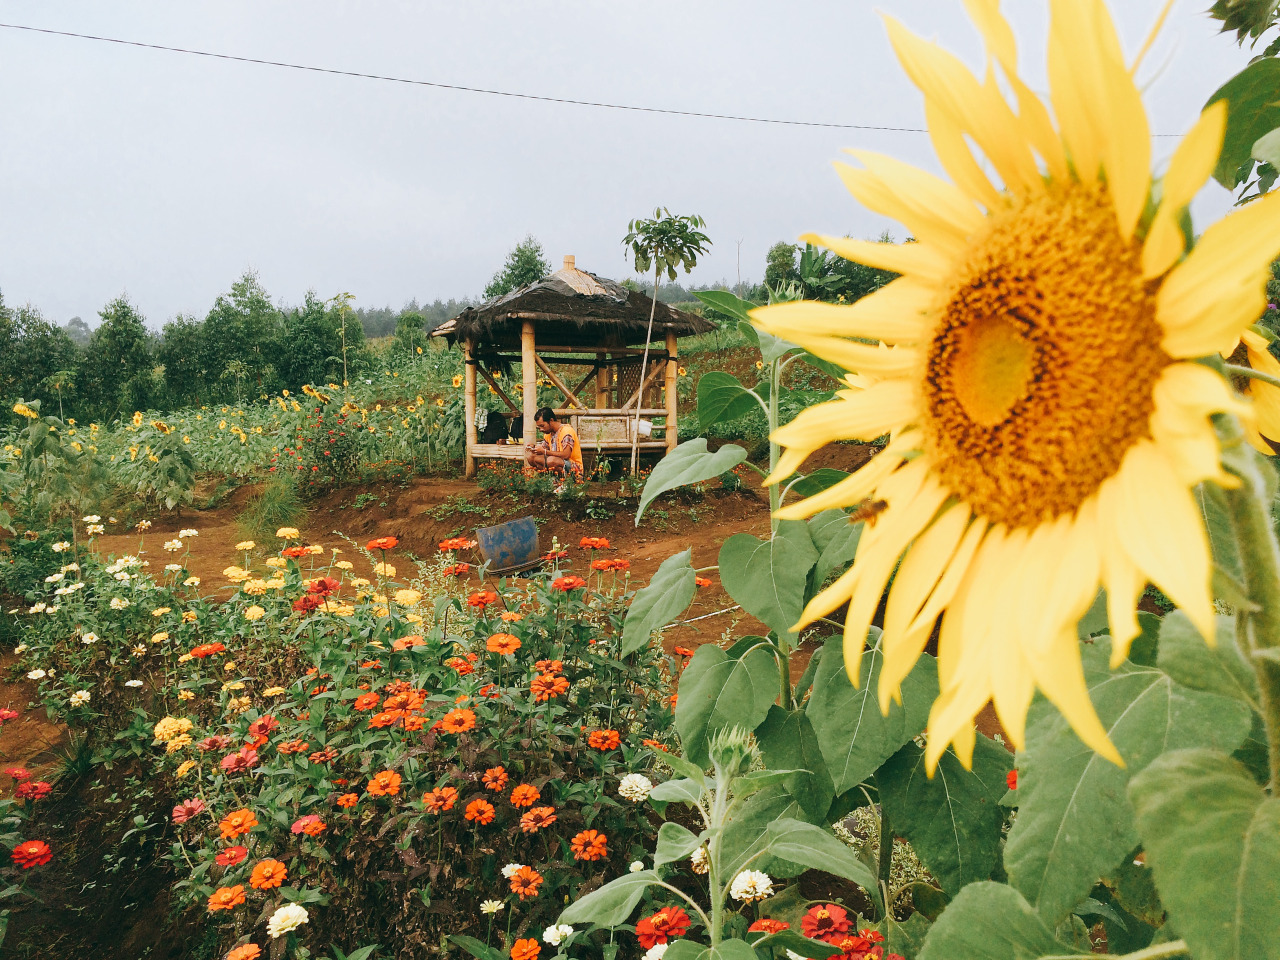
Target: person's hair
(545,414)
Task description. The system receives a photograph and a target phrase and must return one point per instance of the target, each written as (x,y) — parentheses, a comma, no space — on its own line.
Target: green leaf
(856,738)
(832,370)
(953,820)
(1067,792)
(681,766)
(730,950)
(787,739)
(667,596)
(1217,524)
(816,482)
(612,903)
(771,348)
(722,397)
(906,938)
(745,834)
(990,921)
(726,303)
(689,462)
(1189,660)
(684,950)
(678,791)
(1253,110)
(768,577)
(796,943)
(674,843)
(717,692)
(476,948)
(1267,148)
(1212,837)
(1095,618)
(817,849)
(837,542)
(928,900)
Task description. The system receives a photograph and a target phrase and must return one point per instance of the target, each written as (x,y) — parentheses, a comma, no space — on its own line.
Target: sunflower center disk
(1041,371)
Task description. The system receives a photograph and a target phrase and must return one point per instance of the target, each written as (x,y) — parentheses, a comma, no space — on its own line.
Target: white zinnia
(751,885)
(172,567)
(54,577)
(510,869)
(89,638)
(635,787)
(36,675)
(80,698)
(188,533)
(133,683)
(636,866)
(656,951)
(700,860)
(557,933)
(119,603)
(20,648)
(173,546)
(491,907)
(92,518)
(60,546)
(289,917)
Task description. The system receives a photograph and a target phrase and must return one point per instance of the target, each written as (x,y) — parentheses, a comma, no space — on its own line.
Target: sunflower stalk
(1249,509)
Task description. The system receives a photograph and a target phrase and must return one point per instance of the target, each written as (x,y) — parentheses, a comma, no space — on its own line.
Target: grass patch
(278,505)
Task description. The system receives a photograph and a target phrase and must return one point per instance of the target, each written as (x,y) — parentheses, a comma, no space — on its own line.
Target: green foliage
(1251,114)
(276,505)
(768,577)
(116,374)
(990,921)
(780,264)
(690,462)
(668,594)
(1250,19)
(666,243)
(525,264)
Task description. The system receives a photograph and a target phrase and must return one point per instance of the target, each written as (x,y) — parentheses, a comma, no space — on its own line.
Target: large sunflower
(1047,424)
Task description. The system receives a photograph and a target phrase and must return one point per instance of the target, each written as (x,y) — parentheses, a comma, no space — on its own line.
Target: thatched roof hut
(576,318)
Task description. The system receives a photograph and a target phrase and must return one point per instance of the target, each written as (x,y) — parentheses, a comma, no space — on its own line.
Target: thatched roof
(570,308)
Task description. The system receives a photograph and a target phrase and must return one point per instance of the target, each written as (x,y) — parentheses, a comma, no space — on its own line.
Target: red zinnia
(311,825)
(525,950)
(33,790)
(482,599)
(566,584)
(231,856)
(295,553)
(537,818)
(207,650)
(1011,779)
(18,773)
(243,759)
(604,740)
(766,925)
(382,543)
(32,853)
(671,922)
(547,686)
(594,543)
(323,587)
(263,726)
(826,921)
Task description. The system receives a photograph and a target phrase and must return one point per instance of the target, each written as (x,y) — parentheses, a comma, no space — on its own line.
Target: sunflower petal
(919,260)
(1208,299)
(859,485)
(1266,398)
(932,209)
(893,314)
(1060,674)
(1189,169)
(1186,395)
(884,407)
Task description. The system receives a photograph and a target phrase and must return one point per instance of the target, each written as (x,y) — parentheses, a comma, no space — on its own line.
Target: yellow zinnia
(1046,427)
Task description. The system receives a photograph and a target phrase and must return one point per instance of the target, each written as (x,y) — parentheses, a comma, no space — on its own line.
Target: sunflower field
(1015,690)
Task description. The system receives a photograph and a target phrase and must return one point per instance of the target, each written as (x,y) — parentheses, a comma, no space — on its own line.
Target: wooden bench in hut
(574,319)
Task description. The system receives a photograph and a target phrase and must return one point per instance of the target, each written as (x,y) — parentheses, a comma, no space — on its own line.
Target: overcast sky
(165,176)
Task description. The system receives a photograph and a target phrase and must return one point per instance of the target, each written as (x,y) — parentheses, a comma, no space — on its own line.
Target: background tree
(115,372)
(181,352)
(780,264)
(664,242)
(526,264)
(78,331)
(243,325)
(410,335)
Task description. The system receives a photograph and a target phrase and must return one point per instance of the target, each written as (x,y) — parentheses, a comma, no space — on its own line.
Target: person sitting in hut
(559,451)
(495,428)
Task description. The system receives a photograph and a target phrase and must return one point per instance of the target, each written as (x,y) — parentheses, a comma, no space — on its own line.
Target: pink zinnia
(219,742)
(188,809)
(302,823)
(246,758)
(6,715)
(19,773)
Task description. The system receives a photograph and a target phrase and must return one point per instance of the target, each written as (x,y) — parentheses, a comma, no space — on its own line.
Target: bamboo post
(469,402)
(602,381)
(529,373)
(671,391)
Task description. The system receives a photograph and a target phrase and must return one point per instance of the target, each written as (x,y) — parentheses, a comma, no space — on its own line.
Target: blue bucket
(510,547)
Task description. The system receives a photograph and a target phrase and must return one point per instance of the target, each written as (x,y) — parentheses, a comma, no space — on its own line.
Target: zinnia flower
(458,721)
(565,584)
(503,643)
(482,598)
(479,811)
(440,799)
(236,823)
(537,818)
(382,543)
(31,853)
(231,856)
(525,882)
(1047,425)
(751,885)
(188,809)
(525,795)
(311,825)
(525,950)
(268,874)
(604,739)
(385,783)
(825,922)
(289,917)
(767,925)
(548,686)
(495,778)
(249,951)
(589,845)
(224,898)
(662,926)
(635,787)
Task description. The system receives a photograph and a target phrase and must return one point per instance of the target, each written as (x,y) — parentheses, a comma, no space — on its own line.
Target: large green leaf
(1189,660)
(1212,837)
(795,943)
(689,462)
(477,948)
(667,596)
(674,843)
(905,938)
(771,348)
(817,849)
(952,820)
(837,542)
(726,303)
(816,482)
(787,739)
(1217,524)
(856,738)
(990,921)
(717,691)
(612,903)
(721,397)
(1253,110)
(768,577)
(745,834)
(1066,792)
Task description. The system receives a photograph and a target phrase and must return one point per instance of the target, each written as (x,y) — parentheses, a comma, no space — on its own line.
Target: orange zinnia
(458,721)
(348,800)
(525,882)
(386,783)
(440,799)
(549,666)
(503,643)
(548,686)
(366,701)
(594,543)
(525,795)
(604,739)
(537,818)
(482,598)
(250,951)
(525,950)
(511,616)
(236,823)
(589,845)
(495,778)
(268,874)
(404,643)
(224,898)
(566,584)
(480,810)
(382,543)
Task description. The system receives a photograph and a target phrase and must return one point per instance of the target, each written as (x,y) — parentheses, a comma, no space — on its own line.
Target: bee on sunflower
(1035,366)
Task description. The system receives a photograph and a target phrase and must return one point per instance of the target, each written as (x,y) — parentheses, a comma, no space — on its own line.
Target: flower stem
(1174,948)
(1239,370)
(1260,561)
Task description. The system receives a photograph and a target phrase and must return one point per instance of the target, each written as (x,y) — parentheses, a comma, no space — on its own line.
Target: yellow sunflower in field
(1031,365)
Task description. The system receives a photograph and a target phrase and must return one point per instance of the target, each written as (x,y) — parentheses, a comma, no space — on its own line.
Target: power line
(459,87)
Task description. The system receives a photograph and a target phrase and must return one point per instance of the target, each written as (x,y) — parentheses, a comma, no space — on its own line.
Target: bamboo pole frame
(469,403)
(670,392)
(529,376)
(559,384)
(645,384)
(604,375)
(497,387)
